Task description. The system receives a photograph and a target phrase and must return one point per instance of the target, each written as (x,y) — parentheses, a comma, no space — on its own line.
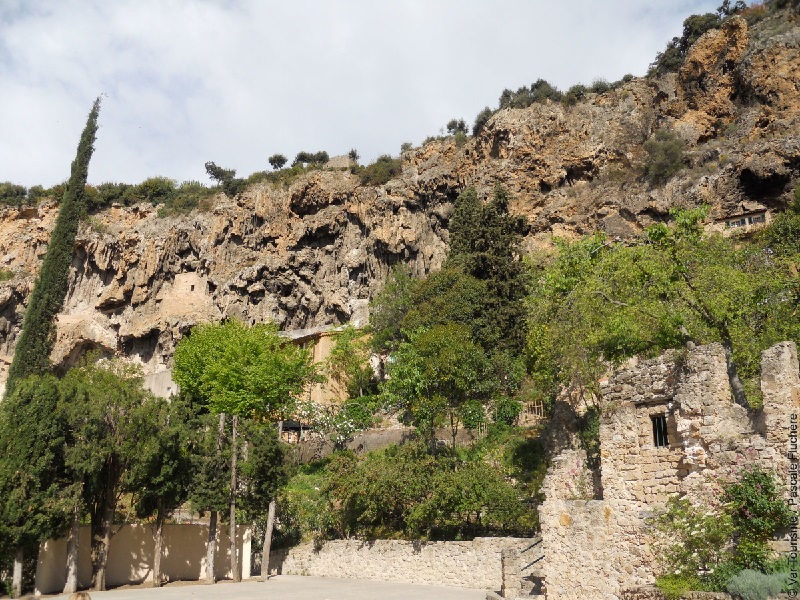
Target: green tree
(481,119)
(389,307)
(455,126)
(160,478)
(226,178)
(109,417)
(247,372)
(32,352)
(601,301)
(665,156)
(485,243)
(35,489)
(263,474)
(277,161)
(440,376)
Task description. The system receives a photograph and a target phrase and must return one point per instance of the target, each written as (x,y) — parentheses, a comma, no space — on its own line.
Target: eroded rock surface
(315,252)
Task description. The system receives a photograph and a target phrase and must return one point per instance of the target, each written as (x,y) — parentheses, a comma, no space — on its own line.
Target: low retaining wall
(651,593)
(130,557)
(474,564)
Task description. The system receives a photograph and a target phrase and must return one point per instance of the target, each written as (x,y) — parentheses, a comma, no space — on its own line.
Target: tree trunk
(16,577)
(211,550)
(235,575)
(158,550)
(268,541)
(270,525)
(73,546)
(101,541)
(737,388)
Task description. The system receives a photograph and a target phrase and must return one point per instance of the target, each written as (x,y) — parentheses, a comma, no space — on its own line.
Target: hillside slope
(315,252)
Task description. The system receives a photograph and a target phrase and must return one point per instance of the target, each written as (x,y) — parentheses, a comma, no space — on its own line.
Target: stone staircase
(522,575)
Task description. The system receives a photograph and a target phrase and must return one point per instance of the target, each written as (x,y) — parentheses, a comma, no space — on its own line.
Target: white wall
(130,557)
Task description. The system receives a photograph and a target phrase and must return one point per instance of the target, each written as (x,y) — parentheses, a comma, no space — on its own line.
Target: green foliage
(241,370)
(481,119)
(6,275)
(12,194)
(348,363)
(382,170)
(32,353)
(406,491)
(315,158)
(226,178)
(575,94)
(160,478)
(353,155)
(34,485)
(600,86)
(485,244)
(753,585)
(389,307)
(436,375)
(263,471)
(598,302)
(665,156)
(675,586)
(757,510)
(671,59)
(539,91)
(277,161)
(405,147)
(456,126)
(706,547)
(692,540)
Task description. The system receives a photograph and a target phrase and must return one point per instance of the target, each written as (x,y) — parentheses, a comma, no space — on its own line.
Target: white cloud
(188,81)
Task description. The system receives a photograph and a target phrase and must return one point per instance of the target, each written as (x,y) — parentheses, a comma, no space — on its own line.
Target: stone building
(668,426)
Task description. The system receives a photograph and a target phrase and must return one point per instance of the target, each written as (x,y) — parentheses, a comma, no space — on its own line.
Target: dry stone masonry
(668,426)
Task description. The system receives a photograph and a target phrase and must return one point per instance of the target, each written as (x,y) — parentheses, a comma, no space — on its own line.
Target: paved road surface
(294,587)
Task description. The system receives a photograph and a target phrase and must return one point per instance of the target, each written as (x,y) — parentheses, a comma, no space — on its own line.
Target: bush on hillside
(382,170)
(665,156)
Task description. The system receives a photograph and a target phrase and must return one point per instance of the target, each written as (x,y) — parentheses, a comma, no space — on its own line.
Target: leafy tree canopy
(247,371)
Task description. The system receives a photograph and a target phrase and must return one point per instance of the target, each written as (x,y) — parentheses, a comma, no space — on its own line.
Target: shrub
(574,94)
(665,156)
(405,147)
(672,57)
(382,170)
(757,510)
(691,540)
(6,275)
(600,86)
(675,586)
(12,194)
(276,161)
(456,126)
(481,120)
(752,585)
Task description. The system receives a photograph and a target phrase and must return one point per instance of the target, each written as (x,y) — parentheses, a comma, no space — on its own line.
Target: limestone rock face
(314,252)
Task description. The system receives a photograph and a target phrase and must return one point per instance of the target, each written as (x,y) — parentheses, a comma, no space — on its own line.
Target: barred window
(660,431)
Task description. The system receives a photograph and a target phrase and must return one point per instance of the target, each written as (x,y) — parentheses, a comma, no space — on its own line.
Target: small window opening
(660,431)
(191,288)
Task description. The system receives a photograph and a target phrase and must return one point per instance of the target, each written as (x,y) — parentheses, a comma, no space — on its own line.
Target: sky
(234,81)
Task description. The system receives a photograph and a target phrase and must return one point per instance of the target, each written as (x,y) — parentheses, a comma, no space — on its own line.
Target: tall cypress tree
(32,354)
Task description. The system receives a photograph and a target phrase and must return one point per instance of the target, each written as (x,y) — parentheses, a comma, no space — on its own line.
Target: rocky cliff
(315,252)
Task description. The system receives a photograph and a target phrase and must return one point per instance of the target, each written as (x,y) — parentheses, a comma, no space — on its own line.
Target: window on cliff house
(660,431)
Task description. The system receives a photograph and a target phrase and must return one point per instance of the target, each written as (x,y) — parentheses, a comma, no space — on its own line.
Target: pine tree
(38,329)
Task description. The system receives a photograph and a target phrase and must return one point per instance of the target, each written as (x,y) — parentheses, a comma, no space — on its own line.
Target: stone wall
(596,547)
(591,547)
(474,564)
(710,438)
